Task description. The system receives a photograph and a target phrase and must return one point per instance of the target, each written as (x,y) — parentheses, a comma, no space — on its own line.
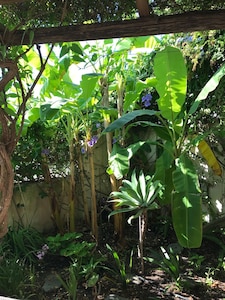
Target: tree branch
(12,72)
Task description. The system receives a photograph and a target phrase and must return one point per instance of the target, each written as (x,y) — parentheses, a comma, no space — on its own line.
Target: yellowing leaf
(209,156)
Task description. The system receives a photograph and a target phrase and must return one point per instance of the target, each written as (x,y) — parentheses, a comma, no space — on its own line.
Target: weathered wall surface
(31,205)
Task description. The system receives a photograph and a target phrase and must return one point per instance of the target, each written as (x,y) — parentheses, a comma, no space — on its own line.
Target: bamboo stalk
(118,218)
(94,223)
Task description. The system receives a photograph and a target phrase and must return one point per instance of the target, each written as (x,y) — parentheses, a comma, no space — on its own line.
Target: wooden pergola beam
(150,25)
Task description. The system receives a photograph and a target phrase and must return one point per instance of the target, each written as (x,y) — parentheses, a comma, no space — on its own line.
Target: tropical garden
(156,106)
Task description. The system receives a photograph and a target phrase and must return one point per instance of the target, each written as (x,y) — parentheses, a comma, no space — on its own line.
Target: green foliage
(119,161)
(21,244)
(168,261)
(182,183)
(16,279)
(81,271)
(39,138)
(70,284)
(171,74)
(121,269)
(196,261)
(185,204)
(84,261)
(61,244)
(137,195)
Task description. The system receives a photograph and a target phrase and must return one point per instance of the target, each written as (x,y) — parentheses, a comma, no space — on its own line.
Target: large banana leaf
(186,204)
(163,171)
(171,75)
(119,161)
(125,119)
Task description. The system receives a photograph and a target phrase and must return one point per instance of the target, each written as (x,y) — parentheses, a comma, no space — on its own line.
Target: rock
(115,297)
(52,283)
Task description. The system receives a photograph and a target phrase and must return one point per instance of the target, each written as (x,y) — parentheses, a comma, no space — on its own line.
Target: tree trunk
(142,231)
(8,134)
(6,188)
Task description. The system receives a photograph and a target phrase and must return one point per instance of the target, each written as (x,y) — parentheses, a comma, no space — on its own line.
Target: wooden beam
(151,25)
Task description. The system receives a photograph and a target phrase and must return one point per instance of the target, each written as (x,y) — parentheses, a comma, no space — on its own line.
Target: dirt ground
(204,282)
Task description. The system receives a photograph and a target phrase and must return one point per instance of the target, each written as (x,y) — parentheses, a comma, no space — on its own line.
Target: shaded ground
(201,278)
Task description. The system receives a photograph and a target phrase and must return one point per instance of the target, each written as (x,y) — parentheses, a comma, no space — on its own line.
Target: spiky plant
(137,196)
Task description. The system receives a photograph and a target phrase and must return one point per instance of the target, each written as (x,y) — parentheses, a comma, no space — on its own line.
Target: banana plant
(137,196)
(74,106)
(174,167)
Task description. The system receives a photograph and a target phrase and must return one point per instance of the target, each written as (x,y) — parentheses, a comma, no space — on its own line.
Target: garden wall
(31,204)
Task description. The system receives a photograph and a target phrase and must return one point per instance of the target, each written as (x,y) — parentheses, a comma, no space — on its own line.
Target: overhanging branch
(151,25)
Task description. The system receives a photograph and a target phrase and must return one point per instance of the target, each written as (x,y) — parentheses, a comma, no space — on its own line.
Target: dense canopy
(47,13)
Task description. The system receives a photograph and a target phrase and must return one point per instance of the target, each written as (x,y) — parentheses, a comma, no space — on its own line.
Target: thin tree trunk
(72,189)
(84,196)
(142,232)
(52,195)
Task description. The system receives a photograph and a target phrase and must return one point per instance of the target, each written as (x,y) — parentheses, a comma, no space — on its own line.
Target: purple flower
(83,150)
(45,152)
(146,100)
(98,125)
(40,254)
(114,140)
(92,141)
(45,247)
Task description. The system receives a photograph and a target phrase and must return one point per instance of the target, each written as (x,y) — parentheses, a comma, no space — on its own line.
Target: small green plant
(210,273)
(221,260)
(70,284)
(139,196)
(84,260)
(196,261)
(119,269)
(16,278)
(68,245)
(168,261)
(59,244)
(82,269)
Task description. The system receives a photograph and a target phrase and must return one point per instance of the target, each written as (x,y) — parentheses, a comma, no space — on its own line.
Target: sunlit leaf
(119,162)
(171,75)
